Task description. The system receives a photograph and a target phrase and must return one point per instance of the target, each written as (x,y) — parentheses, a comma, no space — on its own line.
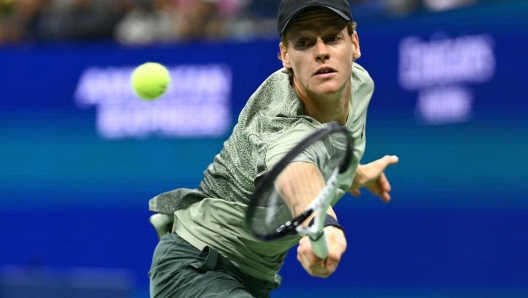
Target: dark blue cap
(289,9)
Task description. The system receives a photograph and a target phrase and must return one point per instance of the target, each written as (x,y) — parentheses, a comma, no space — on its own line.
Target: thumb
(390,160)
(380,164)
(331,266)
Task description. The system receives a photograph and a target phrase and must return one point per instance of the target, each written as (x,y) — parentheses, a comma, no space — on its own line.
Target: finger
(385,161)
(384,188)
(304,247)
(304,250)
(385,197)
(390,160)
(356,192)
(331,263)
(384,183)
(337,246)
(303,257)
(313,265)
(331,267)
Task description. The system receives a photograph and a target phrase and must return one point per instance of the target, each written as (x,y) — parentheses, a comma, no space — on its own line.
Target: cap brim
(339,13)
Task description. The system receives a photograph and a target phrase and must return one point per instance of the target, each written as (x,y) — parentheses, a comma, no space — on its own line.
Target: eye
(302,43)
(332,39)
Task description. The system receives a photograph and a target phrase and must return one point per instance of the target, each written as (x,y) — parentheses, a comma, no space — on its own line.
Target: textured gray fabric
(173,200)
(273,109)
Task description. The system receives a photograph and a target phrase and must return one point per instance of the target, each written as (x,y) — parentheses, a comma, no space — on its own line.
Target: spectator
(19,19)
(173,20)
(81,20)
(147,22)
(165,21)
(201,20)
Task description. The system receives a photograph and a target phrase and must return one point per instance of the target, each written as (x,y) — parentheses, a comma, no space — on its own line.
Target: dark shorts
(180,270)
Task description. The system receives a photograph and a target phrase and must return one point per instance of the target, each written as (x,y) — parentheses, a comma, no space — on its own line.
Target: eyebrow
(299,29)
(329,22)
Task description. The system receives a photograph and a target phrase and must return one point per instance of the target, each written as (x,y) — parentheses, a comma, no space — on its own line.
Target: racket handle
(320,246)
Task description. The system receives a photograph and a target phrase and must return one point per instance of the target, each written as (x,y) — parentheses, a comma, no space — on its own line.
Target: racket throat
(316,237)
(314,231)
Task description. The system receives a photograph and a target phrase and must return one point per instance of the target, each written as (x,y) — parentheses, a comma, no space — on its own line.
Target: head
(318,43)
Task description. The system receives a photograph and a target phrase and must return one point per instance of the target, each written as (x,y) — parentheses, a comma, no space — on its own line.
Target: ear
(355,46)
(284,56)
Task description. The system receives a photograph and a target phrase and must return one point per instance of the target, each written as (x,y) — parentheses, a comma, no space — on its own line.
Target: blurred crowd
(136,22)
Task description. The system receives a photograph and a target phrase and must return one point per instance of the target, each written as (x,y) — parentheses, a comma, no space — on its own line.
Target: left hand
(371,176)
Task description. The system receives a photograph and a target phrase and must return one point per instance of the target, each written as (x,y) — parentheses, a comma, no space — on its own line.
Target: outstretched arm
(298,185)
(371,176)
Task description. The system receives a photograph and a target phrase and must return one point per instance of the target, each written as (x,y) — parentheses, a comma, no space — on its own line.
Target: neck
(326,108)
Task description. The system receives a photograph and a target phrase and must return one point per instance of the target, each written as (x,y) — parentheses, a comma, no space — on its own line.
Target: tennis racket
(303,182)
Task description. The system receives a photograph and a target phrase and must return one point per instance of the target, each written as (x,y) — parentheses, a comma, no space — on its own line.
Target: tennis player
(210,252)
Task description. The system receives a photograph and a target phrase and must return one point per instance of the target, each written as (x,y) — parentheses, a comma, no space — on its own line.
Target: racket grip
(320,246)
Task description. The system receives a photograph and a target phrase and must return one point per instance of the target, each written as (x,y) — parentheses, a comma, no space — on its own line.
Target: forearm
(330,212)
(298,185)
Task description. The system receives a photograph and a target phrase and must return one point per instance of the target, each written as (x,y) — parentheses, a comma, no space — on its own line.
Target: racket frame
(319,204)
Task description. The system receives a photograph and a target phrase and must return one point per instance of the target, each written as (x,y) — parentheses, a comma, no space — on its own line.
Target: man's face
(320,51)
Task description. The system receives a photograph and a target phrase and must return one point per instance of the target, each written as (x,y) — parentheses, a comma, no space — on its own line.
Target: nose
(321,51)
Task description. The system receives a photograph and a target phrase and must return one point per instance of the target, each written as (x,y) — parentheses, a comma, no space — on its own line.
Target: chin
(329,88)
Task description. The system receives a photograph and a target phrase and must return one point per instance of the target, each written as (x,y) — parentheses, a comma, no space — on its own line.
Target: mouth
(324,70)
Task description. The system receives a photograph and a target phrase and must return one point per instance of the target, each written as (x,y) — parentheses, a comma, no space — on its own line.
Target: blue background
(457,224)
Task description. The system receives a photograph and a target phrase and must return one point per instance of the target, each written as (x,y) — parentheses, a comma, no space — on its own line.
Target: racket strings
(296,186)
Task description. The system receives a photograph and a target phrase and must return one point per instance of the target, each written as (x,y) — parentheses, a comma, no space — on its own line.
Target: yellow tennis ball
(150,80)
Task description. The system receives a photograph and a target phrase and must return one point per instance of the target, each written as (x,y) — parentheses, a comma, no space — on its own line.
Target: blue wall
(456,226)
